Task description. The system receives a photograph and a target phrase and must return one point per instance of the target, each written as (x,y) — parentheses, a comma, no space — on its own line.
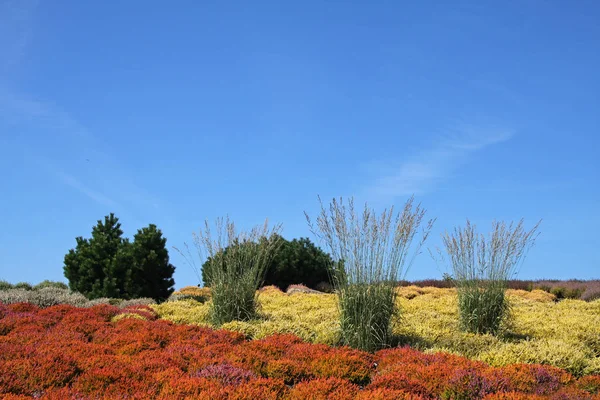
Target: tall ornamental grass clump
(370,255)
(237,263)
(482,268)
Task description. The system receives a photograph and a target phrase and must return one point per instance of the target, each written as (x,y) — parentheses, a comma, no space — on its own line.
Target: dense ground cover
(571,289)
(106,352)
(563,334)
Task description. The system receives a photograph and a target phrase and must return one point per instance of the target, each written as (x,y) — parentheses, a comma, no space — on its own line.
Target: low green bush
(52,284)
(23,285)
(566,293)
(4,285)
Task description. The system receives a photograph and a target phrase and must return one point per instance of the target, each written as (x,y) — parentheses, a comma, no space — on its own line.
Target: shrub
(590,384)
(370,255)
(184,312)
(126,315)
(300,289)
(143,301)
(297,261)
(237,273)
(103,300)
(13,296)
(324,287)
(534,295)
(46,297)
(151,274)
(323,389)
(51,296)
(553,352)
(191,292)
(591,295)
(569,289)
(180,296)
(108,265)
(23,285)
(4,285)
(566,293)
(51,284)
(481,269)
(225,374)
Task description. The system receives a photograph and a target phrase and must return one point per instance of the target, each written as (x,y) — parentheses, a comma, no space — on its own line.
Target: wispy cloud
(76,184)
(52,139)
(66,150)
(425,169)
(16,31)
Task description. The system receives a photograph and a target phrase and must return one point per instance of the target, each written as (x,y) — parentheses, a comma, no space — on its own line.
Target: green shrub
(4,285)
(559,292)
(297,261)
(23,285)
(545,288)
(574,293)
(481,270)
(108,265)
(53,284)
(566,293)
(370,253)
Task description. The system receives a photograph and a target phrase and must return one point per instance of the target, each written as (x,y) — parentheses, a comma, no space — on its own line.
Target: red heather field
(64,352)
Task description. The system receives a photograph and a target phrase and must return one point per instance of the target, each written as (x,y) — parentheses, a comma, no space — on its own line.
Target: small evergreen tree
(93,267)
(108,265)
(152,275)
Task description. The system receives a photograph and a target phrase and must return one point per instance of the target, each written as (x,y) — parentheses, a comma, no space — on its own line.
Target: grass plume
(371,254)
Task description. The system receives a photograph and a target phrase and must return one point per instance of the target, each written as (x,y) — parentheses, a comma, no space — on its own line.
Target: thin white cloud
(16,31)
(73,182)
(64,148)
(422,171)
(51,137)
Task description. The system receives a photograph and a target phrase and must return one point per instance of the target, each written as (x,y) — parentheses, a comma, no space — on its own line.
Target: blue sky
(174,113)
